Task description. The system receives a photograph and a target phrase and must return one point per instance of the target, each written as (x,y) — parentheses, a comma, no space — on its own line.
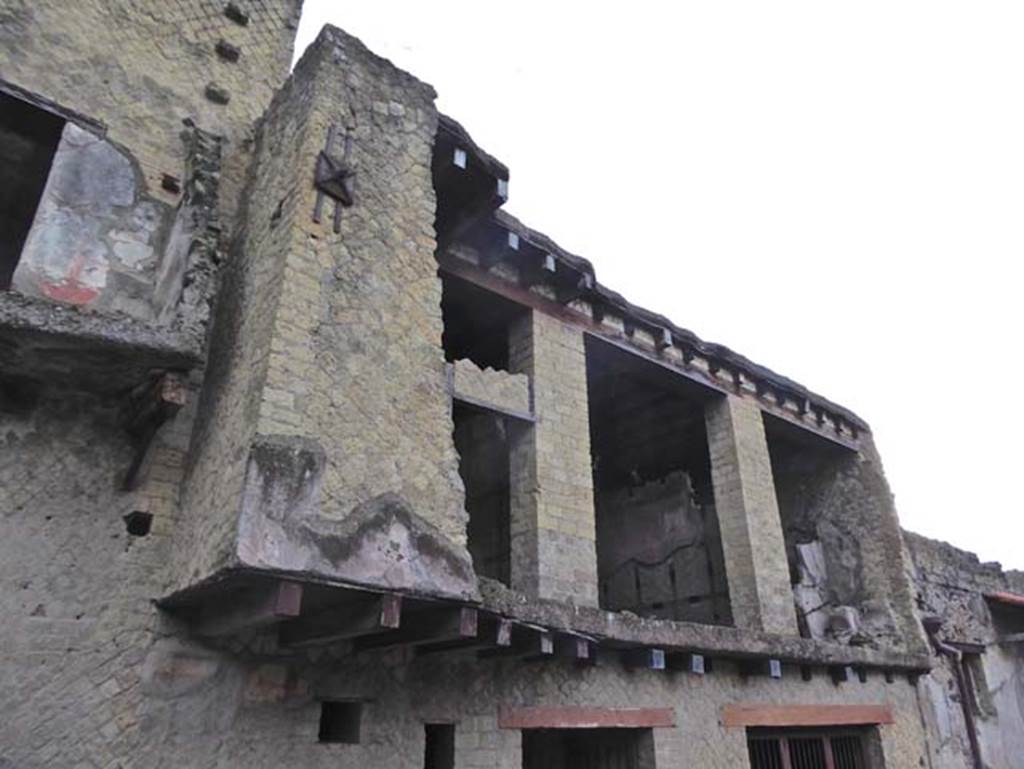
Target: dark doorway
(439,746)
(588,749)
(28,140)
(482,440)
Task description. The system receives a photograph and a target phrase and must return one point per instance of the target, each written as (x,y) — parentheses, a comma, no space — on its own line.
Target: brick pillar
(748,514)
(552,516)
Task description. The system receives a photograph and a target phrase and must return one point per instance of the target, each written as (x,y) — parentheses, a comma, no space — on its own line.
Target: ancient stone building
(310,455)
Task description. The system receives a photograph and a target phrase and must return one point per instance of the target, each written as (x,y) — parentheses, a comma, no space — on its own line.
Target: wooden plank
(257,608)
(585,718)
(805,715)
(383,612)
(434,625)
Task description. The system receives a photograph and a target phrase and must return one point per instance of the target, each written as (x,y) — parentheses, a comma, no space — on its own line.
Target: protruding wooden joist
(505,245)
(372,615)
(493,633)
(664,339)
(574,647)
(772,668)
(688,662)
(527,642)
(537,268)
(256,608)
(840,673)
(433,625)
(577,287)
(652,659)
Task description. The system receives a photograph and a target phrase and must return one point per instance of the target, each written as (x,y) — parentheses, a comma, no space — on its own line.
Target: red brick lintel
(1008,598)
(585,718)
(806,715)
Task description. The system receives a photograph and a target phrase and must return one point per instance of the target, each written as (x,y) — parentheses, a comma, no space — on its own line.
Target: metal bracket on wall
(334,177)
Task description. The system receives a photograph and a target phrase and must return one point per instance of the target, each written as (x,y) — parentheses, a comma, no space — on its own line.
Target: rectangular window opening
(340,722)
(439,746)
(482,439)
(659,550)
(28,141)
(477,324)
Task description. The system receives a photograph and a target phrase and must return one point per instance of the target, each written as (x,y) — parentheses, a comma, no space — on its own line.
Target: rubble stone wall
(951,584)
(840,504)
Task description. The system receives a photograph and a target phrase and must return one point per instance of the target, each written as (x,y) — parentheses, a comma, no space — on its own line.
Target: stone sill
(102,353)
(711,640)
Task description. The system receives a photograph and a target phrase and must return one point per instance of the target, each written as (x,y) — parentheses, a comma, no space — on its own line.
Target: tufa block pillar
(748,514)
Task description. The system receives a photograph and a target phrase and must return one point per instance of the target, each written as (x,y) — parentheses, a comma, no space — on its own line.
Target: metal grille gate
(806,750)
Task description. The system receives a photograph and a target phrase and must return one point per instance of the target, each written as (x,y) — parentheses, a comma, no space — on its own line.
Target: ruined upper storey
(125,133)
(410,397)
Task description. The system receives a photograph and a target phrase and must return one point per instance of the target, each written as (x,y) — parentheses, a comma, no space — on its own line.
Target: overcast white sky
(833,189)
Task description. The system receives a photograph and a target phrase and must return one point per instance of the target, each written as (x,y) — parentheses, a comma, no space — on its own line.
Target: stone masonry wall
(240,346)
(951,584)
(553,534)
(76,589)
(143,67)
(327,421)
(841,500)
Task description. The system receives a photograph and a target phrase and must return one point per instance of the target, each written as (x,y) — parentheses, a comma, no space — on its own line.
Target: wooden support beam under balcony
(374,614)
(771,668)
(652,659)
(255,608)
(697,664)
(440,624)
(492,633)
(527,642)
(575,647)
